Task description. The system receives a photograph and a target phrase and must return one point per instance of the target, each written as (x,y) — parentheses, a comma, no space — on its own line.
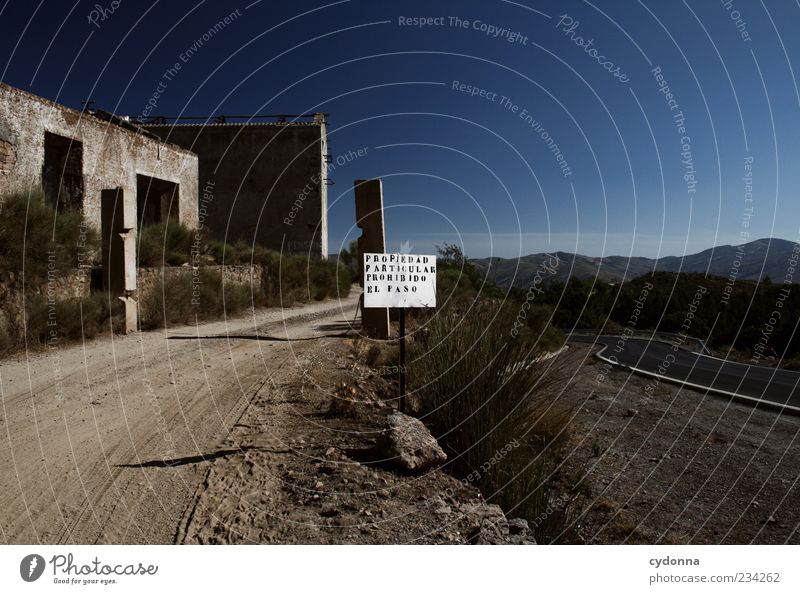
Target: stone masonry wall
(149,278)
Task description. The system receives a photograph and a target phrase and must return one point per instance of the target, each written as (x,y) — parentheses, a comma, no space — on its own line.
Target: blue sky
(465,168)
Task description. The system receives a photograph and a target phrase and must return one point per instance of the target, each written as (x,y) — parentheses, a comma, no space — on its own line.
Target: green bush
(481,389)
(348,257)
(294,278)
(290,278)
(344,281)
(35,235)
(328,279)
(238,253)
(167,243)
(538,320)
(8,335)
(459,282)
(182,300)
(36,240)
(71,319)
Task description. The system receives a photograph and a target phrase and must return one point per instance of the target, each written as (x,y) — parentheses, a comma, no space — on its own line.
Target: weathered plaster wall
(262,183)
(112,155)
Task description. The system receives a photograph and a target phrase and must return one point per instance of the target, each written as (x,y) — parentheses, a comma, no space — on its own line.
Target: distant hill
(770,254)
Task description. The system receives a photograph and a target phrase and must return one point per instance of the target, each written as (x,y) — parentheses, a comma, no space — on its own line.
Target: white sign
(399,280)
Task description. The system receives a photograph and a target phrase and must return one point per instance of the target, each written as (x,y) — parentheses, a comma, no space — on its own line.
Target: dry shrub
(494,408)
(291,278)
(181,301)
(621,527)
(72,319)
(33,233)
(8,341)
(604,506)
(166,243)
(297,279)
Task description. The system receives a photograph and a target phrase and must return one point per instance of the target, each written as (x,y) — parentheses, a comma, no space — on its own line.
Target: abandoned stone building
(263,183)
(118,175)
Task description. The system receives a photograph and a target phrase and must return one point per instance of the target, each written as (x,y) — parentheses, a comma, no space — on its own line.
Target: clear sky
(586,153)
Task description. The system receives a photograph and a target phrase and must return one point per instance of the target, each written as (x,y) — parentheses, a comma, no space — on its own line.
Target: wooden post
(402,359)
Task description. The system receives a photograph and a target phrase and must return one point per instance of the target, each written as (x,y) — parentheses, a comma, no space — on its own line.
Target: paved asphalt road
(764,384)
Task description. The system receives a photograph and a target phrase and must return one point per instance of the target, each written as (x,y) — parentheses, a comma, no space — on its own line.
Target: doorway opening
(156,199)
(62,172)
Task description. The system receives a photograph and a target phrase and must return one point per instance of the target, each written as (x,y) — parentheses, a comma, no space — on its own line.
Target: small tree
(451,254)
(348,257)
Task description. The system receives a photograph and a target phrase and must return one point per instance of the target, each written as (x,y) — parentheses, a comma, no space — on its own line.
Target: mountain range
(749,261)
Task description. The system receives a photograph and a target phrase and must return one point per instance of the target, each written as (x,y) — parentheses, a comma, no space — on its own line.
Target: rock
(328,468)
(408,443)
(518,526)
(487,524)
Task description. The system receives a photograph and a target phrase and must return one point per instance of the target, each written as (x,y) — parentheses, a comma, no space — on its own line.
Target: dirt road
(88,430)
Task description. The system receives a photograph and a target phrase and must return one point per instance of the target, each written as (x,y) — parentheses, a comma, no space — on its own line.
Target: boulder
(487,525)
(408,443)
(518,527)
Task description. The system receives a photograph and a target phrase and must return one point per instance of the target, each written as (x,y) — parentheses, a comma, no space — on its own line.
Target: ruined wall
(262,183)
(112,156)
(245,274)
(90,164)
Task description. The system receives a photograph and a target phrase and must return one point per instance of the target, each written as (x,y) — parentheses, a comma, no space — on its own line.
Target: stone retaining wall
(79,285)
(243,274)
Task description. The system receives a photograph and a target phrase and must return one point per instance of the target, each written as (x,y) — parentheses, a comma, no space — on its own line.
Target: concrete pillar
(119,254)
(369,218)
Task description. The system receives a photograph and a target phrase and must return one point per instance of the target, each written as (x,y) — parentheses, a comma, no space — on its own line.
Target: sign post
(402,403)
(400,281)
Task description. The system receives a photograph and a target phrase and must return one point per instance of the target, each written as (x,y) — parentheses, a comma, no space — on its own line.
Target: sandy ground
(206,435)
(306,471)
(107,442)
(226,432)
(672,465)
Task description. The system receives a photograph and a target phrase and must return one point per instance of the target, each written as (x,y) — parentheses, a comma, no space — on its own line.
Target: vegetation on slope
(478,370)
(289,279)
(740,315)
(40,248)
(35,238)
